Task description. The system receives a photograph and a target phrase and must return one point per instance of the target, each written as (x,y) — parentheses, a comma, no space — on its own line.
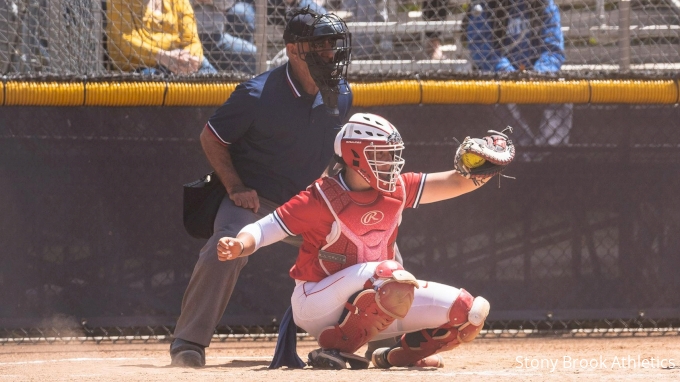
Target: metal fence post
(599,6)
(261,34)
(624,35)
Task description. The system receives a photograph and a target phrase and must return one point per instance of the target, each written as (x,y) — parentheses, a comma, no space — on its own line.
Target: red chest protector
(361,232)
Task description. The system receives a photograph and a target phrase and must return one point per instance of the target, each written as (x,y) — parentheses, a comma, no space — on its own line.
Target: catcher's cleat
(356,362)
(326,359)
(379,358)
(186,354)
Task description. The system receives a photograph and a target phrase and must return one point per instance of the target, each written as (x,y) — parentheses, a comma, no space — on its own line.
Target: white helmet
(362,143)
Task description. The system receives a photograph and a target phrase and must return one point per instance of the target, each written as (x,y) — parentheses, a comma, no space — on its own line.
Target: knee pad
(466,319)
(476,315)
(371,311)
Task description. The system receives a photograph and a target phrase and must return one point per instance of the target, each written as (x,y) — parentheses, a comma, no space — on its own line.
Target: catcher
(349,290)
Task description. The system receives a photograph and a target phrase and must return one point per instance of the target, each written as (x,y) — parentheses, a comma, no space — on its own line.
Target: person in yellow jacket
(149,36)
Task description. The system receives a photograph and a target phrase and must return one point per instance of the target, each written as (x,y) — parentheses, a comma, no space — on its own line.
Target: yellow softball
(472,160)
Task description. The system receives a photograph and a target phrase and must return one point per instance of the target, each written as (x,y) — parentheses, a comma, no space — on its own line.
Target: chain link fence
(583,241)
(494,329)
(391,38)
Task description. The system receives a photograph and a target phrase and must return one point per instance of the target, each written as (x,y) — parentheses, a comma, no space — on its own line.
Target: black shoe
(387,342)
(187,354)
(326,359)
(379,358)
(356,362)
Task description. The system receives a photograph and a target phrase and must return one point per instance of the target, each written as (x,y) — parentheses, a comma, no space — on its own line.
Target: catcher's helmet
(370,145)
(324,43)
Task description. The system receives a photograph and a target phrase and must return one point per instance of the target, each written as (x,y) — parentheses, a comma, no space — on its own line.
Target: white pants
(318,305)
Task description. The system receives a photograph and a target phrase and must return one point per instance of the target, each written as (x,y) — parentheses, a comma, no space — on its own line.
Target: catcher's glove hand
(496,150)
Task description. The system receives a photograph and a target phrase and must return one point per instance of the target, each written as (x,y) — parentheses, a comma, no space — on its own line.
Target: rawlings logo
(372,217)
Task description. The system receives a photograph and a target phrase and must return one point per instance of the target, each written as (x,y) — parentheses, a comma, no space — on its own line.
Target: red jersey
(308,215)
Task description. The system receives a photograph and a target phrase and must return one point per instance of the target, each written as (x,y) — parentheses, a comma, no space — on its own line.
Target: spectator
(434,10)
(226,29)
(270,139)
(154,37)
(518,35)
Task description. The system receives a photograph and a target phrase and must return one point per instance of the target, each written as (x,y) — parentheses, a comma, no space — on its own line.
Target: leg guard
(366,314)
(466,319)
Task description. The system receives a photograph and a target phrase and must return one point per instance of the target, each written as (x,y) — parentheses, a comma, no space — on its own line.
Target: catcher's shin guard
(466,319)
(370,311)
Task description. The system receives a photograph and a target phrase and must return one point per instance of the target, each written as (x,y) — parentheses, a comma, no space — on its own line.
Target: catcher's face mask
(324,42)
(371,146)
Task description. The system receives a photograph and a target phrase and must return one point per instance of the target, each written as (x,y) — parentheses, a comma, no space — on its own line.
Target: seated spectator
(226,29)
(154,37)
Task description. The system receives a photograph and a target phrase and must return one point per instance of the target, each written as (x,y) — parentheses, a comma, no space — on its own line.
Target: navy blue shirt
(279,137)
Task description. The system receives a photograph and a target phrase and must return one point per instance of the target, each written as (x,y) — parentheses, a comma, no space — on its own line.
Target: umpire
(270,140)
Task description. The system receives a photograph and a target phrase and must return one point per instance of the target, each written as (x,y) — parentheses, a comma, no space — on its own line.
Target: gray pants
(213,281)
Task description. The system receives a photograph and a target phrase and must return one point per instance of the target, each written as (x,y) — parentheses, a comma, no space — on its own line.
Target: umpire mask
(324,42)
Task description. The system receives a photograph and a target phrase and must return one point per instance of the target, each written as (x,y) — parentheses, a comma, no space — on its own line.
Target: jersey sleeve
(301,213)
(413,185)
(232,120)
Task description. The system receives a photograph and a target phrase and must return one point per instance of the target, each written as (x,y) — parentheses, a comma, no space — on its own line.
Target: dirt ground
(525,359)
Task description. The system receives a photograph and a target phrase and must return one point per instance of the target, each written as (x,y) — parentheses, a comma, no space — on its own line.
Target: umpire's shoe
(187,354)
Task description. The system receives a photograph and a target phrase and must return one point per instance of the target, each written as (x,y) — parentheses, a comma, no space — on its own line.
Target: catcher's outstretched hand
(480,159)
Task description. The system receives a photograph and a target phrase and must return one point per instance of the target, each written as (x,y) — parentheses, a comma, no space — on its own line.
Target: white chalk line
(120,359)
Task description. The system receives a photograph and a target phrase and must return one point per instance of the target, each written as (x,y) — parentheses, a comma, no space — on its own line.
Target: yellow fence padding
(405,92)
(460,92)
(386,93)
(634,91)
(125,93)
(544,92)
(198,94)
(43,94)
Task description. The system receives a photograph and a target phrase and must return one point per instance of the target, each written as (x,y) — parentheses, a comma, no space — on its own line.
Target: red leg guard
(367,314)
(417,345)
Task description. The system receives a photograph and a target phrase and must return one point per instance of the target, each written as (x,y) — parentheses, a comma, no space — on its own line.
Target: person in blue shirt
(521,35)
(511,35)
(271,139)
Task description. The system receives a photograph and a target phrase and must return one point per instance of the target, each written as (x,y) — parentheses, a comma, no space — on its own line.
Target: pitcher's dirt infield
(639,358)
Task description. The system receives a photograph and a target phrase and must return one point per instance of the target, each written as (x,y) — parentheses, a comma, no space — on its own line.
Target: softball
(471,160)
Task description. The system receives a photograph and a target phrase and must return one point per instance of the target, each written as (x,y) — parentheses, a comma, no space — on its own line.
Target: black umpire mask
(324,43)
(327,72)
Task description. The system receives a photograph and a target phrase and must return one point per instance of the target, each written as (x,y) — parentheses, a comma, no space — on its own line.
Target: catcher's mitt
(496,149)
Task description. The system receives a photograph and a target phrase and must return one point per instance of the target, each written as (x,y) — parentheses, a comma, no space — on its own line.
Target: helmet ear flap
(338,139)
